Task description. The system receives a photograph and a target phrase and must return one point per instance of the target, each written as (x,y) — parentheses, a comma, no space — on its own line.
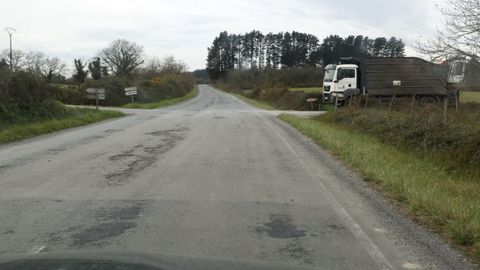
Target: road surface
(211,177)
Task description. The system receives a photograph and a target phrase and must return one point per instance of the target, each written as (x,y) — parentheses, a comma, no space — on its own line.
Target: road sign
(131,93)
(96,94)
(96,90)
(131,89)
(93,96)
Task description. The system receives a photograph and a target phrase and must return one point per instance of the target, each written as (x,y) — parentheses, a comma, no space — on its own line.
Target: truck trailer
(385,77)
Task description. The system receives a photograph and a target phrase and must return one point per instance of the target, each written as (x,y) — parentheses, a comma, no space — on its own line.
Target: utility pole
(11,31)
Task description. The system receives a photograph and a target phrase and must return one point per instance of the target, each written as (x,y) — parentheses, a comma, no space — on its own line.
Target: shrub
(455,144)
(164,86)
(25,95)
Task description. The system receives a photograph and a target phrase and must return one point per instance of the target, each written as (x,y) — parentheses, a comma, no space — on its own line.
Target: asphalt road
(211,177)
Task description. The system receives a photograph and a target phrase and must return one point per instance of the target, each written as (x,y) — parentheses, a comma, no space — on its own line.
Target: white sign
(397,83)
(96,90)
(312,99)
(131,93)
(94,96)
(131,89)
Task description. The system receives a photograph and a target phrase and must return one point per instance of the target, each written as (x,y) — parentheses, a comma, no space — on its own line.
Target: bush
(455,144)
(69,94)
(271,85)
(25,95)
(164,86)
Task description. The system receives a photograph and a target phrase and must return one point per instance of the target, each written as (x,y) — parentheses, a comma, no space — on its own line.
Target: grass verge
(255,103)
(163,103)
(307,89)
(470,97)
(445,202)
(74,118)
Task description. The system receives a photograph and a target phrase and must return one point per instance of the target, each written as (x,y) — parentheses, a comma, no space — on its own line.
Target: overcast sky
(185,28)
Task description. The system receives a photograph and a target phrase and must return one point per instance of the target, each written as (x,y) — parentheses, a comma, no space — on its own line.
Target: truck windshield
(329,73)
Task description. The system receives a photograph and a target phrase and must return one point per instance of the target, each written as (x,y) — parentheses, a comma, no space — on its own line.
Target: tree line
(122,58)
(288,50)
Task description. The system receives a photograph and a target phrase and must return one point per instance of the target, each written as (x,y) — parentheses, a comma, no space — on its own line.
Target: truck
(463,74)
(385,77)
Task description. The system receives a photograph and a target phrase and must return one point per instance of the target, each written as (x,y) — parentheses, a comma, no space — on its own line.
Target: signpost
(97,94)
(131,92)
(311,101)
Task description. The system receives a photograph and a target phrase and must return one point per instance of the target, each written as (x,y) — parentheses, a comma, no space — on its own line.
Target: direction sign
(94,96)
(131,93)
(96,90)
(131,89)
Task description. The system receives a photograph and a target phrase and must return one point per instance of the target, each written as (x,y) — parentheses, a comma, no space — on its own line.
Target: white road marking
(411,266)
(36,249)
(367,243)
(379,230)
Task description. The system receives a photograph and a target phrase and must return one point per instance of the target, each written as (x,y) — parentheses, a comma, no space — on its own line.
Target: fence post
(336,102)
(413,105)
(366,101)
(457,99)
(350,101)
(445,106)
(391,103)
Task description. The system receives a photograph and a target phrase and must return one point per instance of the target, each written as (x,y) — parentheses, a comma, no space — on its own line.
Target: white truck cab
(338,79)
(456,72)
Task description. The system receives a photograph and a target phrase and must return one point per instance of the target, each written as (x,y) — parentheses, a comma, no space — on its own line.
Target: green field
(444,201)
(307,89)
(470,97)
(163,103)
(74,118)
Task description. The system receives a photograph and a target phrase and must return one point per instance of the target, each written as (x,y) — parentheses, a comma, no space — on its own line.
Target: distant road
(209,177)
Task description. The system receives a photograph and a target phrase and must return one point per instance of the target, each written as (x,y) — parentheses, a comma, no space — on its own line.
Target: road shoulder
(427,244)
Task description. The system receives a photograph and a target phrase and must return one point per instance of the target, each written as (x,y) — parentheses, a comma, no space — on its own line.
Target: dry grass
(444,200)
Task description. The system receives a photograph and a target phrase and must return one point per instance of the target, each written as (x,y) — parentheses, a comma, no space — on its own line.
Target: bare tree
(123,57)
(18,59)
(34,62)
(44,66)
(461,34)
(153,66)
(53,67)
(171,65)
